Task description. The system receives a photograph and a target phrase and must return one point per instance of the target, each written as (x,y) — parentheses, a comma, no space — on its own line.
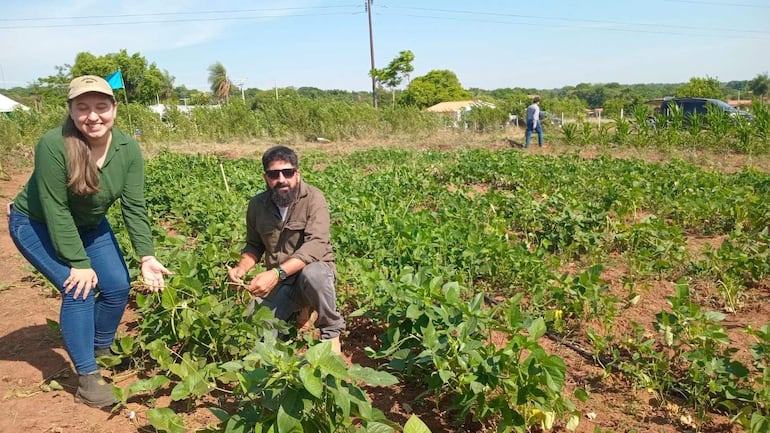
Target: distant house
(7,104)
(160,109)
(594,112)
(457,106)
(456,109)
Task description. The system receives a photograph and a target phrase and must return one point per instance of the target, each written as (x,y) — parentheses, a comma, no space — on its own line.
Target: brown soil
(31,353)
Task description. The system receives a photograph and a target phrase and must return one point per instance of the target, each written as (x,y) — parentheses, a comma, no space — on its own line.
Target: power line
(355,10)
(233,11)
(181,20)
(659,32)
(710,3)
(571,20)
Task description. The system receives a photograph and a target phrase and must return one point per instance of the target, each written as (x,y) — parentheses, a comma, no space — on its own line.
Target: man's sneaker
(94,391)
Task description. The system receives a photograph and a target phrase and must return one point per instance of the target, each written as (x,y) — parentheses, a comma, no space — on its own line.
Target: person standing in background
(533,123)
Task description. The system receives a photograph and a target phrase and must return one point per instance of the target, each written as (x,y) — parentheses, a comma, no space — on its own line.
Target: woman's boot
(94,391)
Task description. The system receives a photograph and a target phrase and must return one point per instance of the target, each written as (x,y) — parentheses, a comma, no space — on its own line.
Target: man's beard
(282,197)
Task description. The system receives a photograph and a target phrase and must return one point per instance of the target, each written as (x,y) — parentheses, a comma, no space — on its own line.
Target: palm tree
(219,81)
(167,90)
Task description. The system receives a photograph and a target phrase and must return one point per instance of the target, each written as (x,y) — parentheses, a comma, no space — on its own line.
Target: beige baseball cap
(89,83)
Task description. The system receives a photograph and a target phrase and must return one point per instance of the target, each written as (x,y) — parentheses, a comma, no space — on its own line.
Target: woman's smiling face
(93,114)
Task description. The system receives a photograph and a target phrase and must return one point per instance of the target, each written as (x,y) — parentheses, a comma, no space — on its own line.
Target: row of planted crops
(461,263)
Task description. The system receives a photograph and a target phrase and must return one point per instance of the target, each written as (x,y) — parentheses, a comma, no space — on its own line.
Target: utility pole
(240,82)
(371,51)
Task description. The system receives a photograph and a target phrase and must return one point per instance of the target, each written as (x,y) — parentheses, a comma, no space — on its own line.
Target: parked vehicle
(689,107)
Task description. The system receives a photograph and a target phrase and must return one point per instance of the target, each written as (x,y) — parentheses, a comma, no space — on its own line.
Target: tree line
(145,83)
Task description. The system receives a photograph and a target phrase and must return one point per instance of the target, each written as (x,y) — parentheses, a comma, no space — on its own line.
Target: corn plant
(586,134)
(718,123)
(746,136)
(622,131)
(694,126)
(643,121)
(570,131)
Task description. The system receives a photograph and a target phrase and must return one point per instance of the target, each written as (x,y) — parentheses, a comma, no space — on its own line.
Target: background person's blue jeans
(528,134)
(85,324)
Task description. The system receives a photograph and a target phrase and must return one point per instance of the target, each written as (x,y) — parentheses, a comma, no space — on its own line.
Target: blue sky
(489,44)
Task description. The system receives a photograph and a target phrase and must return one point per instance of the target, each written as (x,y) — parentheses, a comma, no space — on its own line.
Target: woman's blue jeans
(86,324)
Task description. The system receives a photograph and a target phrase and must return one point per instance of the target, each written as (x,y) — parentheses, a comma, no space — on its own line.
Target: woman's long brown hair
(82,172)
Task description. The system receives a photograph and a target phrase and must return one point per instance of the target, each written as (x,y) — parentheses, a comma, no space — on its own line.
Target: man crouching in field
(289,224)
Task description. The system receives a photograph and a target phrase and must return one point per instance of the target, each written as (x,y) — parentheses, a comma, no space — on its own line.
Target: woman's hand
(153,272)
(82,280)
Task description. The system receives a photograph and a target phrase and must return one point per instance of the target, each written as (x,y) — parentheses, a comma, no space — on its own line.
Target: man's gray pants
(313,286)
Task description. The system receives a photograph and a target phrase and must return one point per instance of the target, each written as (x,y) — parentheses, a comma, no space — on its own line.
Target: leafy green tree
(736,89)
(181,93)
(52,90)
(568,106)
(613,107)
(199,98)
(760,85)
(593,95)
(736,85)
(392,75)
(154,87)
(219,81)
(311,92)
(168,85)
(512,101)
(701,88)
(144,83)
(434,87)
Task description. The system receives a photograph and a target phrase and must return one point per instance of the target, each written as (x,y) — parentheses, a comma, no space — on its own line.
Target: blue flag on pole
(115,80)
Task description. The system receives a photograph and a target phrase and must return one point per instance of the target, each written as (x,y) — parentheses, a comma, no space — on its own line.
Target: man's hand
(263,283)
(236,274)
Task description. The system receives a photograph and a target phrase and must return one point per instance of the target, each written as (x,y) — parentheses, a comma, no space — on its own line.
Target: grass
(448,139)
(455,140)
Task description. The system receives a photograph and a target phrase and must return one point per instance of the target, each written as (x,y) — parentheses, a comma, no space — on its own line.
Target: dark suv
(693,106)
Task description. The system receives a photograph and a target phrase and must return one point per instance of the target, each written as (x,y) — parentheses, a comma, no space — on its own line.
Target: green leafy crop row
(463,261)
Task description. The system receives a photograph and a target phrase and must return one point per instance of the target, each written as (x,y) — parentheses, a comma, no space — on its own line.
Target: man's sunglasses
(288,173)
